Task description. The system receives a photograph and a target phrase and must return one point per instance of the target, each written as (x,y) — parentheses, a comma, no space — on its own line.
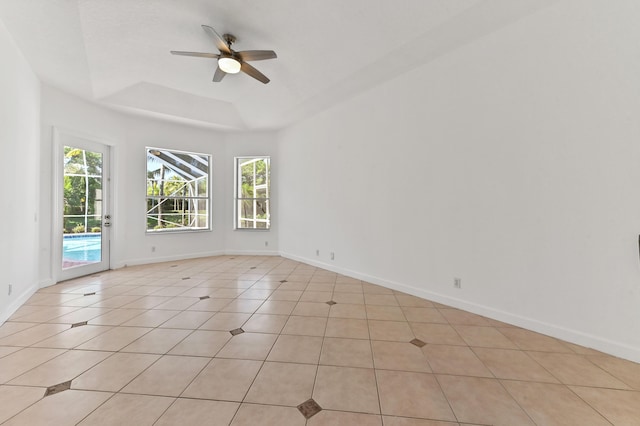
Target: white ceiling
(116,52)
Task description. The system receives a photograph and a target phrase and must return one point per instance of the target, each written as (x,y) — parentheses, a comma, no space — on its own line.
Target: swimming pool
(82,248)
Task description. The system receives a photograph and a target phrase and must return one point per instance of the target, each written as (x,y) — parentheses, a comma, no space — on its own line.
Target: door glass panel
(82,207)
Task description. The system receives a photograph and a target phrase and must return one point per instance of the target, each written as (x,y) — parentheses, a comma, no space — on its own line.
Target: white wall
(512,163)
(19,174)
(129,135)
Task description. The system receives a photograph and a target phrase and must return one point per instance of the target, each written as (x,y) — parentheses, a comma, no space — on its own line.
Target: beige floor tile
(33,335)
(290,295)
(116,316)
(458,317)
(298,349)
(44,313)
(211,305)
(457,360)
(277,307)
(9,328)
(346,352)
(413,301)
(388,313)
(6,350)
(347,310)
(550,404)
(396,331)
(347,328)
(146,302)
(380,299)
(190,320)
(264,323)
(151,318)
(418,314)
(158,341)
(576,370)
(198,412)
(280,383)
(618,406)
(441,334)
(346,389)
(267,415)
(17,398)
(73,337)
(412,395)
(168,376)
(513,365)
(305,326)
(341,418)
(205,343)
(369,288)
(314,296)
(224,379)
(626,371)
(248,346)
(406,421)
(311,309)
(115,372)
(115,301)
(348,288)
(399,356)
(256,294)
(115,339)
(21,361)
(225,321)
(350,298)
(64,408)
(129,409)
(82,314)
(531,341)
(178,303)
(482,401)
(485,337)
(60,369)
(247,306)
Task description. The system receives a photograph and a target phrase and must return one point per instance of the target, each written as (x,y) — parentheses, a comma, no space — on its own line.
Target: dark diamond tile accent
(253,267)
(236,331)
(60,387)
(90,294)
(204,297)
(331,303)
(78,324)
(309,408)
(173,266)
(284,281)
(419,343)
(186,278)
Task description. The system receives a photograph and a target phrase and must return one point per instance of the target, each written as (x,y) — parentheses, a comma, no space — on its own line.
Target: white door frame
(62,138)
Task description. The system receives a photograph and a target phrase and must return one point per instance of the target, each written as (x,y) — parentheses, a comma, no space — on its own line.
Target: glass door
(83,207)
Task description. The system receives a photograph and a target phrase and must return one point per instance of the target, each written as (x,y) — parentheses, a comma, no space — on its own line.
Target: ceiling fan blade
(248,69)
(222,45)
(196,54)
(256,55)
(219,75)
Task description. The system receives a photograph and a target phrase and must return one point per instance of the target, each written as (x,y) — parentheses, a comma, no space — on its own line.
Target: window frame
(208,198)
(237,191)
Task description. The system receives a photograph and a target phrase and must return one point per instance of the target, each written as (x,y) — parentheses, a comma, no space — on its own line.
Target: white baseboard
(611,347)
(17,303)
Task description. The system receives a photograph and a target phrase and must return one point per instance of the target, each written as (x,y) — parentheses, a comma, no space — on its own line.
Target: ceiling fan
(230,61)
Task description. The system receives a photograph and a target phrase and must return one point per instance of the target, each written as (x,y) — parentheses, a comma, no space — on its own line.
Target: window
(178,192)
(252,193)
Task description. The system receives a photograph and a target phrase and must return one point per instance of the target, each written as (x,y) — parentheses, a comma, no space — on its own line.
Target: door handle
(107,220)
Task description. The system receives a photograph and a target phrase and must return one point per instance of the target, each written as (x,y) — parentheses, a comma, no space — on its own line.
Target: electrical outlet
(457,282)
(266,243)
(317,252)
(153,249)
(10,289)
(332,256)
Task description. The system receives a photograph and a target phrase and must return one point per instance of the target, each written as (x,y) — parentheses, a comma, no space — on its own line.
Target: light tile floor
(152,345)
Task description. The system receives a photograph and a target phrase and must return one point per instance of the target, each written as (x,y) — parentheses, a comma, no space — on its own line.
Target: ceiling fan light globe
(229,65)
